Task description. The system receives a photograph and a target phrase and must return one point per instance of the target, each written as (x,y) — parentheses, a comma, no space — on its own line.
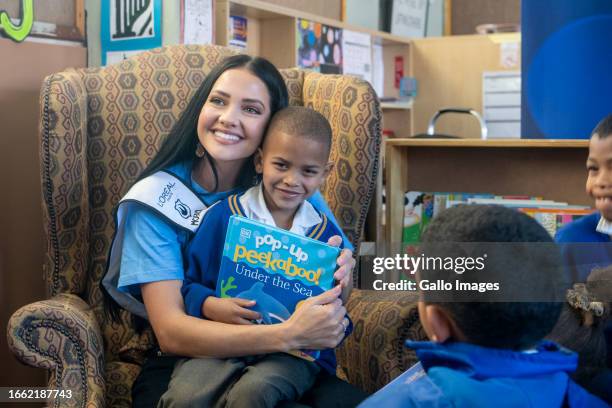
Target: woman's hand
(346,263)
(318,323)
(229,310)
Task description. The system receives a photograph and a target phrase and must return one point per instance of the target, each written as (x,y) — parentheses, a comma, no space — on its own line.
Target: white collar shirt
(255,208)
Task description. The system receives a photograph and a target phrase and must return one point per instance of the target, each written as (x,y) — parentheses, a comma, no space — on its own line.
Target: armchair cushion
(62,335)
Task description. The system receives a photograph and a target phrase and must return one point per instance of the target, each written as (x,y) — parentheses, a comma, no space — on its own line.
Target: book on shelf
(274,267)
(552,219)
(413,215)
(420,207)
(238,32)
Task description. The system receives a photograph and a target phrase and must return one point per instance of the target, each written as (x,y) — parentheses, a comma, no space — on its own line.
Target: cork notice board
(59,19)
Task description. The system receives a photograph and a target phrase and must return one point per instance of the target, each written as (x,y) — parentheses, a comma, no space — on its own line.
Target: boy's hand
(229,310)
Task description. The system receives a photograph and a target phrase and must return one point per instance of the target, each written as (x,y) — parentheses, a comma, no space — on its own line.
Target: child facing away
(293,163)
(580,328)
(597,227)
(488,353)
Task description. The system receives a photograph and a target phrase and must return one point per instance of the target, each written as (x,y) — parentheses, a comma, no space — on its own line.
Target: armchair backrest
(100,127)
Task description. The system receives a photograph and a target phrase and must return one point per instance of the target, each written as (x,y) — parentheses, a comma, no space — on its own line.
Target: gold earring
(200,152)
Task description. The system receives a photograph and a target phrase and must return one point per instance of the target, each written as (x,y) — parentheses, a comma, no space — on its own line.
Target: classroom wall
(22,71)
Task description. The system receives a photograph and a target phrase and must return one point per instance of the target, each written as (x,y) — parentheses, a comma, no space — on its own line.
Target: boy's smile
(293,168)
(599,180)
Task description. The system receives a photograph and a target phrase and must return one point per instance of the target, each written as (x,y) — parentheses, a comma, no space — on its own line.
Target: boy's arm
(203,254)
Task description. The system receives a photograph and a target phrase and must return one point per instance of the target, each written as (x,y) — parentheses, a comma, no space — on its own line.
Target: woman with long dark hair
(209,151)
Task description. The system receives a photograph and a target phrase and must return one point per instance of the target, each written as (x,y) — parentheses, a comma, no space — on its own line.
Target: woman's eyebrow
(247,100)
(251,100)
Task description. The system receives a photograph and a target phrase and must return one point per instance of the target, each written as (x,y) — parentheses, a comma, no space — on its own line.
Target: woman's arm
(315,325)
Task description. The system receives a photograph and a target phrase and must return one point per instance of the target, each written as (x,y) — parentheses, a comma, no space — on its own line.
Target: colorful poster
(130,25)
(319,47)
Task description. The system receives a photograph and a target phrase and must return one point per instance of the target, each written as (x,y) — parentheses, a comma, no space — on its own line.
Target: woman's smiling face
(233,119)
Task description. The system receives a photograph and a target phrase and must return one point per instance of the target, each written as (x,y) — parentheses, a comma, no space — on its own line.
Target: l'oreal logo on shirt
(166,194)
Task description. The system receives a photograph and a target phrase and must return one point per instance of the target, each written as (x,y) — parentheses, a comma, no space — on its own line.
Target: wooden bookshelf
(272,30)
(553,169)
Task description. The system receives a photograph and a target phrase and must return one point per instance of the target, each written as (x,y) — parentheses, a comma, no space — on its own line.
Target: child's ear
(440,324)
(258,161)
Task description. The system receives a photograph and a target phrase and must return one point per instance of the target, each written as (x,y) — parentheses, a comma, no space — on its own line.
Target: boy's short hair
(487,322)
(603,128)
(302,122)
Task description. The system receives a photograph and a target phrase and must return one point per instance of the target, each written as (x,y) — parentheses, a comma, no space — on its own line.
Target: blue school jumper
(466,375)
(206,251)
(581,259)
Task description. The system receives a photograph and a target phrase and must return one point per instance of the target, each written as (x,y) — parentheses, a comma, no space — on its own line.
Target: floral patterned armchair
(98,129)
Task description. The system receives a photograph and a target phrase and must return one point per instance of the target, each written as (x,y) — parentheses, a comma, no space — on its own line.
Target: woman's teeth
(227,136)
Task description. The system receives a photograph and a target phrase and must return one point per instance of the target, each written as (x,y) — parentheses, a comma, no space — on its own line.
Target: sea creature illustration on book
(271,310)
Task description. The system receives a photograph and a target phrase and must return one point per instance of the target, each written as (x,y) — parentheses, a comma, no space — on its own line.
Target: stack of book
(420,207)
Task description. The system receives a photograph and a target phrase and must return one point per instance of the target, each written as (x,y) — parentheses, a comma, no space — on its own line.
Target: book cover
(554,218)
(427,212)
(413,212)
(238,32)
(274,267)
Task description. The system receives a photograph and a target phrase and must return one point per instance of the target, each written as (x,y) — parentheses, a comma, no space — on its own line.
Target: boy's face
(599,179)
(293,169)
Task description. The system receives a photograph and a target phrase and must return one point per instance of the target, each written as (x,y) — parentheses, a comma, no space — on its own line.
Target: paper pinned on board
(378,70)
(357,54)
(198,27)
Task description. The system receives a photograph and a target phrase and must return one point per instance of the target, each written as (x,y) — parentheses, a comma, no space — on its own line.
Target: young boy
(585,243)
(293,163)
(597,227)
(488,353)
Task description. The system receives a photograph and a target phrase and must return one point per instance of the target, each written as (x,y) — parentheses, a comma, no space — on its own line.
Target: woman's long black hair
(181,143)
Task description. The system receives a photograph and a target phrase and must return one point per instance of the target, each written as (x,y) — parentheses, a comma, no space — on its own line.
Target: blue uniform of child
(466,375)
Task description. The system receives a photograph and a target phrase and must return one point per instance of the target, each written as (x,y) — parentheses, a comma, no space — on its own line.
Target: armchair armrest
(374,353)
(61,334)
